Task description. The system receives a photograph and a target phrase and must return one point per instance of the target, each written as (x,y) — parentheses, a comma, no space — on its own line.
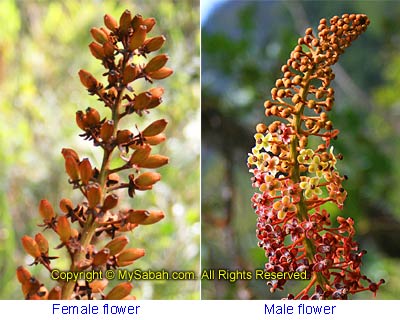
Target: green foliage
(43,47)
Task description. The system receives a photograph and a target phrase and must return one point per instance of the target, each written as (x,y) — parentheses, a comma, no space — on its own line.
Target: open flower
(310,187)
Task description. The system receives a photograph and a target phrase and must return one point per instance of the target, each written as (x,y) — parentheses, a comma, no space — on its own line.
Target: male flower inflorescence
(295,179)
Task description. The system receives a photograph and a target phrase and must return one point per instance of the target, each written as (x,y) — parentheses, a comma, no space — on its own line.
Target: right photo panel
(300,148)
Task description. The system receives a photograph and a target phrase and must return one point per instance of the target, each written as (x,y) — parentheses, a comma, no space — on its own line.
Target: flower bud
(99,35)
(110,23)
(155,128)
(149,23)
(101,257)
(110,202)
(93,194)
(92,117)
(71,153)
(80,119)
(138,37)
(98,285)
(137,216)
(120,291)
(155,140)
(71,167)
(108,48)
(154,217)
(142,100)
(156,63)
(140,155)
(107,130)
(130,73)
(154,161)
(157,92)
(146,180)
(154,44)
(55,293)
(46,210)
(116,245)
(66,205)
(124,136)
(85,171)
(87,79)
(30,246)
(23,275)
(137,21)
(161,73)
(42,243)
(128,256)
(125,22)
(97,50)
(64,229)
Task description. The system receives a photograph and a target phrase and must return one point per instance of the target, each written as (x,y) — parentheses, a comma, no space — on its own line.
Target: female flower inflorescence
(295,179)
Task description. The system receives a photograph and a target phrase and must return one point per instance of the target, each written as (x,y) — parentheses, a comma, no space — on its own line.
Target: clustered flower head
(92,231)
(296,179)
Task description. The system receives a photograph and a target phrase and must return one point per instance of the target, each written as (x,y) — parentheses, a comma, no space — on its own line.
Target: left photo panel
(100,150)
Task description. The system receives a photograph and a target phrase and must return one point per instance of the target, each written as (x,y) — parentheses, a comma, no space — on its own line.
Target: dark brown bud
(156,63)
(125,22)
(92,117)
(140,155)
(120,291)
(85,171)
(124,136)
(128,256)
(146,180)
(161,73)
(42,243)
(116,245)
(137,216)
(154,44)
(23,275)
(67,152)
(154,161)
(93,195)
(101,257)
(137,21)
(110,23)
(99,35)
(108,48)
(142,100)
(110,202)
(98,286)
(149,23)
(137,38)
(97,50)
(107,130)
(80,118)
(131,72)
(64,229)
(66,205)
(46,210)
(30,246)
(87,79)
(155,128)
(71,167)
(154,217)
(55,293)
(155,140)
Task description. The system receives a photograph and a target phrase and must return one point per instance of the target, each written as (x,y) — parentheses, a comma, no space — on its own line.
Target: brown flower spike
(122,47)
(295,179)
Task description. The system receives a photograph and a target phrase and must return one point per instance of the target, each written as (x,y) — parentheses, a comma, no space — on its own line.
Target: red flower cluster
(295,180)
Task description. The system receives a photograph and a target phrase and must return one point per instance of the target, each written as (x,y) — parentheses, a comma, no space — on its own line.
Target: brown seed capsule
(137,21)
(153,217)
(128,256)
(72,169)
(92,117)
(87,79)
(155,128)
(130,73)
(154,44)
(55,293)
(110,23)
(85,171)
(81,120)
(156,63)
(124,136)
(146,180)
(142,100)
(98,286)
(108,48)
(64,229)
(107,130)
(66,205)
(42,243)
(101,257)
(157,92)
(137,38)
(46,210)
(137,216)
(99,35)
(125,22)
(154,161)
(71,153)
(97,50)
(120,291)
(30,246)
(140,155)
(23,275)
(116,245)
(161,73)
(149,23)
(93,195)
(110,202)
(155,140)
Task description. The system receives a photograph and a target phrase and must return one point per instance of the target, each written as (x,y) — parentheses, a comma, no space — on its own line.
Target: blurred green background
(43,44)
(244,44)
